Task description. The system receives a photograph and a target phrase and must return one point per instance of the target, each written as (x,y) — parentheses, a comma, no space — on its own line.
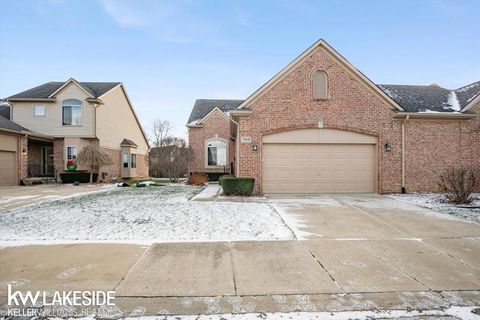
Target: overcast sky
(169,53)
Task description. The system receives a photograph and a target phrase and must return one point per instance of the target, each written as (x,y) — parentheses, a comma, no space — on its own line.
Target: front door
(47,161)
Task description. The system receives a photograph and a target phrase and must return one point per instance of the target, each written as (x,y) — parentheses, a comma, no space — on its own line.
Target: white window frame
(73,156)
(133,163)
(35,106)
(226,152)
(125,161)
(68,103)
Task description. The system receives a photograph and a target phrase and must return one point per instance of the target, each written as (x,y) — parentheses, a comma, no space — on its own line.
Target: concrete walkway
(359,253)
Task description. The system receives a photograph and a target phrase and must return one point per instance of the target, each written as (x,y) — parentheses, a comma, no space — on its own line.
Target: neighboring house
(321,126)
(69,115)
(211,142)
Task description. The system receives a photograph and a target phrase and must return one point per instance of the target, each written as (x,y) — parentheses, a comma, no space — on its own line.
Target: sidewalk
(277,276)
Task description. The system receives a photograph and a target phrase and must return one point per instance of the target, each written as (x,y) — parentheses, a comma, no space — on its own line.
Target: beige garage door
(318,168)
(7,168)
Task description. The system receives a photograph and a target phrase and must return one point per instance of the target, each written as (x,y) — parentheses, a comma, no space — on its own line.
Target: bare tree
(460,183)
(176,163)
(161,133)
(93,157)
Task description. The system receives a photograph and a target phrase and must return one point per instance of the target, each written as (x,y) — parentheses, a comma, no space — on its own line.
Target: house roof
(11,126)
(43,91)
(128,142)
(203,107)
(432,98)
(5,109)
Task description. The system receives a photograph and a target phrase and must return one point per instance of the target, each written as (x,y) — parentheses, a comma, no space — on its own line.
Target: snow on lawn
(436,202)
(141,215)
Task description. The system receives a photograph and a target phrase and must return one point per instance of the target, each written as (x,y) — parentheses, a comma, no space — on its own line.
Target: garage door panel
(318,168)
(8,171)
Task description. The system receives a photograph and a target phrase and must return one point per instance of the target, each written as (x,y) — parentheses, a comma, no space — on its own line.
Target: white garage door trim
(345,153)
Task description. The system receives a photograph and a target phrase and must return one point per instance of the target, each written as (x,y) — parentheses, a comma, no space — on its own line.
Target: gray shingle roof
(5,109)
(431,98)
(203,106)
(44,90)
(10,125)
(128,142)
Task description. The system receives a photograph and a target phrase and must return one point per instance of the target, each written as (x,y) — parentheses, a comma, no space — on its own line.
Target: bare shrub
(459,184)
(93,157)
(197,179)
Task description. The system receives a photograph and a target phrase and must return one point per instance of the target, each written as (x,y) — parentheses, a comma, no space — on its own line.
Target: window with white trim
(320,85)
(217,153)
(125,159)
(72,112)
(71,153)
(133,160)
(39,110)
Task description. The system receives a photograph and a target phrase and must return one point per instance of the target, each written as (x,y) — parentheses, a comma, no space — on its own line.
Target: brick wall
(351,106)
(114,170)
(215,126)
(58,157)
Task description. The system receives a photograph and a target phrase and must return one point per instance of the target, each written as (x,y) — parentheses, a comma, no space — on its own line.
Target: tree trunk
(91,174)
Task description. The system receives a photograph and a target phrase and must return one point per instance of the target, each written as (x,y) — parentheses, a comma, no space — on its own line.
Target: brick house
(321,126)
(44,127)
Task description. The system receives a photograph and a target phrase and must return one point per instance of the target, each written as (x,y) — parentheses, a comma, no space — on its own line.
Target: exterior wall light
(388,147)
(24,151)
(254,147)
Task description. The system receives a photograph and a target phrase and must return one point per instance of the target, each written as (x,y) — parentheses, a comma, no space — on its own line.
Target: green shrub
(77,176)
(238,186)
(225,176)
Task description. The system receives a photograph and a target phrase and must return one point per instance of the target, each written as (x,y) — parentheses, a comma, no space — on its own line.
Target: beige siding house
(69,115)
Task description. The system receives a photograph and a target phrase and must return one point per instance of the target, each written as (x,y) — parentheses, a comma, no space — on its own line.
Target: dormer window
(72,112)
(320,85)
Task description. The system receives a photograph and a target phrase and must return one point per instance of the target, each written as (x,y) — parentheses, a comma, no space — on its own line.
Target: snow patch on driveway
(141,215)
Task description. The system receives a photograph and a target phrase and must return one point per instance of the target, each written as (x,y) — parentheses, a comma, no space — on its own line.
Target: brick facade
(431,145)
(58,162)
(215,126)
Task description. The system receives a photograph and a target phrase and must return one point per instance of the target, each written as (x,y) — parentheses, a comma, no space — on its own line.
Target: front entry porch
(40,162)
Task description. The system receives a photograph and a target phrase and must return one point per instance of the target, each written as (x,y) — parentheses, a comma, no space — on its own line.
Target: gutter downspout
(404,190)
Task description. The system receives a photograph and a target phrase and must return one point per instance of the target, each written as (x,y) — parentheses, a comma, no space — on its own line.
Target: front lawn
(436,202)
(141,215)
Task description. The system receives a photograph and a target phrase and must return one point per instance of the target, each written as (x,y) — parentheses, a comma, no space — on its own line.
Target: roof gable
(50,89)
(291,66)
(203,107)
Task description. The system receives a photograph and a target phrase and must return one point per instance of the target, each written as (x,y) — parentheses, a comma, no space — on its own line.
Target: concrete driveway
(355,252)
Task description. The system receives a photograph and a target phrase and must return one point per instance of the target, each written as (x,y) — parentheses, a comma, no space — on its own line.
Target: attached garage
(8,172)
(319,161)
(8,159)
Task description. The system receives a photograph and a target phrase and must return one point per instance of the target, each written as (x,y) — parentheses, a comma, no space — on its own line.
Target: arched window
(320,85)
(216,152)
(72,112)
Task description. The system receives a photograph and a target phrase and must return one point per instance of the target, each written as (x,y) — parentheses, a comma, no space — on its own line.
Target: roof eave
(238,112)
(31,99)
(471,104)
(435,115)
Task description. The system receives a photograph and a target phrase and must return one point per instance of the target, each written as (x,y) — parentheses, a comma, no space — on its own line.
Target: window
(72,112)
(39,110)
(217,153)
(133,160)
(320,85)
(71,153)
(125,159)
